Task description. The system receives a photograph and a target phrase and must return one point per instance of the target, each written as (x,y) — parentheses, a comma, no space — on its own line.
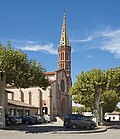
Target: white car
(47,118)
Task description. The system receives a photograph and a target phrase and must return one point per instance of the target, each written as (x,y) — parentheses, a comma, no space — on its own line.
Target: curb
(102,129)
(64,131)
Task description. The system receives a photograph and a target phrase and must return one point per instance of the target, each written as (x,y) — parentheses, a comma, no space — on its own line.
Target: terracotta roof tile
(49,73)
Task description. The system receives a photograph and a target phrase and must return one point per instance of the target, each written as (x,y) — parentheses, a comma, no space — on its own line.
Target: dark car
(42,119)
(7,121)
(37,119)
(28,120)
(13,120)
(78,120)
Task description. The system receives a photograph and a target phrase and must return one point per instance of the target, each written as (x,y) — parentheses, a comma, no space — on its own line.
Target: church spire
(64,50)
(64,41)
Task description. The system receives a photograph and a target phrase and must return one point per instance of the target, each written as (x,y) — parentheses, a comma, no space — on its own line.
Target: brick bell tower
(64,50)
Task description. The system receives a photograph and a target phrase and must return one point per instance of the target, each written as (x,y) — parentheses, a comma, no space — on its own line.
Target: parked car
(42,119)
(28,120)
(7,121)
(78,120)
(13,120)
(37,119)
(47,118)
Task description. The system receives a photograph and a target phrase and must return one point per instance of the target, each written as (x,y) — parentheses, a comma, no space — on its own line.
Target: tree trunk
(97,100)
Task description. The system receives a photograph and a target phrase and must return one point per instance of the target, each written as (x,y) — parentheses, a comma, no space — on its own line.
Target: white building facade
(114,116)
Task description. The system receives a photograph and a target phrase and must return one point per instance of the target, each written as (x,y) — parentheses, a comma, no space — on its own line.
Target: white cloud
(35,46)
(113,47)
(107,40)
(89,56)
(111,33)
(88,39)
(112,41)
(30,42)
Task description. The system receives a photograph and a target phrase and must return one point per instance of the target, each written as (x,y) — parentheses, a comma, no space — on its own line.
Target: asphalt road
(110,134)
(45,131)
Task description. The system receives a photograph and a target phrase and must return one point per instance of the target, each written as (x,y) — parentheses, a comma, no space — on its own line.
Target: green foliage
(113,79)
(80,109)
(20,71)
(110,99)
(89,87)
(88,84)
(117,109)
(86,87)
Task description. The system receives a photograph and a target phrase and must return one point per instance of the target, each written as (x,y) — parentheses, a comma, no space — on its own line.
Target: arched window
(66,56)
(62,85)
(22,95)
(66,66)
(30,98)
(59,57)
(63,65)
(63,56)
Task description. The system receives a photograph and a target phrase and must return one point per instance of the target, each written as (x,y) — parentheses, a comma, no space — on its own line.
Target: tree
(113,83)
(110,99)
(88,88)
(117,109)
(20,71)
(80,109)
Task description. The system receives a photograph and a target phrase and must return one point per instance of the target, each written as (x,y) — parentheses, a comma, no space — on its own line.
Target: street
(47,131)
(110,134)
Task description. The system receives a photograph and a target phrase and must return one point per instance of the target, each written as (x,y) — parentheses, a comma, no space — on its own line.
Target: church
(55,100)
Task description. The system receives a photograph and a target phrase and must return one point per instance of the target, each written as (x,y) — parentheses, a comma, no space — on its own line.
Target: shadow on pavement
(113,127)
(42,129)
(112,124)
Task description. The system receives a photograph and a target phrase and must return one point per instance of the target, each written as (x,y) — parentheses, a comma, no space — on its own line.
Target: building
(113,116)
(55,100)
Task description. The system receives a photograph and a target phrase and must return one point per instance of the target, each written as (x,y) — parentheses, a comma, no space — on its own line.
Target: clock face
(62,85)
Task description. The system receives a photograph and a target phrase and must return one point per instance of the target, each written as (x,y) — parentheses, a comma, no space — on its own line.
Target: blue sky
(35,27)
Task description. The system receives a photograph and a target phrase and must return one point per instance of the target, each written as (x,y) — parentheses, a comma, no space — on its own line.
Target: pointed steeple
(64,41)
(64,50)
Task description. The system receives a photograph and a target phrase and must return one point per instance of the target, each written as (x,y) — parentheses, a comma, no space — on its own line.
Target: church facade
(55,100)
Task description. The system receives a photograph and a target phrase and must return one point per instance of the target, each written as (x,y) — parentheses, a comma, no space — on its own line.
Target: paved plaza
(111,133)
(56,130)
